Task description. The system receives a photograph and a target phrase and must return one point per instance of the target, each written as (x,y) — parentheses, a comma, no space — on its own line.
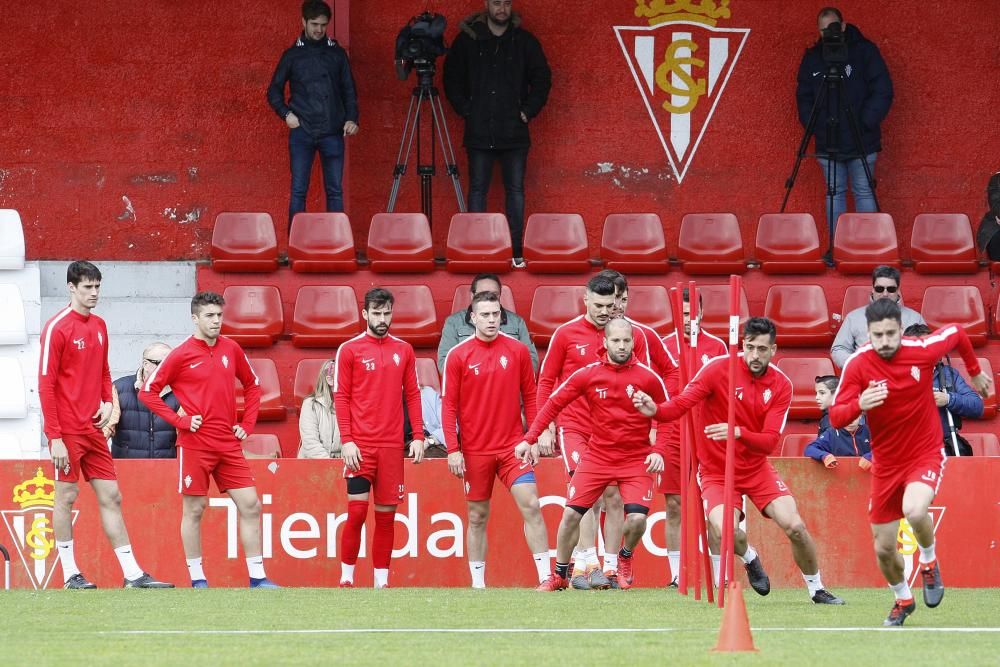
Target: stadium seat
(634,243)
(414,317)
(271,407)
(305,379)
(463,297)
(427,374)
(650,305)
(983,444)
(711,244)
(990,402)
(254,316)
(855,296)
(11,240)
(244,242)
(715,319)
(788,243)
(262,446)
(13,325)
(800,313)
(478,242)
(942,243)
(803,372)
(794,444)
(556,243)
(863,241)
(959,304)
(400,243)
(325,316)
(13,400)
(321,243)
(551,307)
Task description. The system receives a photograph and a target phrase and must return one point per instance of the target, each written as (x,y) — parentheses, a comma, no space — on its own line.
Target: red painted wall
(165,106)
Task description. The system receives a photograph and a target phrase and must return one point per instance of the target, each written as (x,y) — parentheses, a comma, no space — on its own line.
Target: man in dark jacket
(869,93)
(322,109)
(141,434)
(497,78)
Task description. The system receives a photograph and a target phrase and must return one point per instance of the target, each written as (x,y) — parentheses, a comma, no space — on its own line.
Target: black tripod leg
(444,138)
(803,145)
(405,146)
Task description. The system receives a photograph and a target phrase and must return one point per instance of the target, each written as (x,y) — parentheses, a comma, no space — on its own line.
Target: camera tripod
(832,95)
(425,92)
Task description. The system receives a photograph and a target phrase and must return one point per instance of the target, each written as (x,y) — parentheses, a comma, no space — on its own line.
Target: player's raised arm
(953,337)
(567,392)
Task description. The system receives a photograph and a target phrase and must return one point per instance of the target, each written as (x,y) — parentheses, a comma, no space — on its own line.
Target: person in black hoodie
(497,78)
(988,237)
(140,434)
(322,109)
(868,88)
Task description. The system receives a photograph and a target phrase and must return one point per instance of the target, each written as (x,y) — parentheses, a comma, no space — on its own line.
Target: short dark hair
(883,309)
(483,276)
(82,270)
(619,279)
(759,326)
(202,299)
(828,11)
(830,381)
(483,297)
(378,297)
(602,285)
(312,9)
(883,271)
(917,330)
(686,295)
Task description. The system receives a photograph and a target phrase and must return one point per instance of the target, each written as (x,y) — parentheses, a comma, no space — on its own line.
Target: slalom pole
(726,548)
(6,567)
(677,306)
(694,509)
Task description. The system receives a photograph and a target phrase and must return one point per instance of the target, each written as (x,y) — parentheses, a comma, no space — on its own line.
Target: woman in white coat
(319,436)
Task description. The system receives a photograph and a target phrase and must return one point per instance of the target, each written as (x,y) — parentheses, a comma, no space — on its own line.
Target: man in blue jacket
(869,93)
(140,434)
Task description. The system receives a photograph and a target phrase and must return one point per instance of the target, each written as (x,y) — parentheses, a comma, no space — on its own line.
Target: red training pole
(677,306)
(726,547)
(693,508)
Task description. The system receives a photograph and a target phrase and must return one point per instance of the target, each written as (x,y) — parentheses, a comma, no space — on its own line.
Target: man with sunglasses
(140,434)
(854,330)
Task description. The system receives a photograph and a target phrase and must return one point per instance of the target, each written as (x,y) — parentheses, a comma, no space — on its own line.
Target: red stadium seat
(634,243)
(864,241)
(325,316)
(271,407)
(800,313)
(305,379)
(942,243)
(463,297)
(244,242)
(715,319)
(788,243)
(959,304)
(262,446)
(551,307)
(794,444)
(414,317)
(803,372)
(321,243)
(650,305)
(556,243)
(856,296)
(983,444)
(478,242)
(400,243)
(254,316)
(990,402)
(427,374)
(711,243)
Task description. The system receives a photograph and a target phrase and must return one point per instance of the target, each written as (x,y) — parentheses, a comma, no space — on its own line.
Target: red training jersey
(484,384)
(372,376)
(73,373)
(908,425)
(203,378)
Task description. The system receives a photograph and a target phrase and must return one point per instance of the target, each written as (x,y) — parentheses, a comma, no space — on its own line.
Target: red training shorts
(886,501)
(760,488)
(573,444)
(229,469)
(591,479)
(482,469)
(383,467)
(89,455)
(669,481)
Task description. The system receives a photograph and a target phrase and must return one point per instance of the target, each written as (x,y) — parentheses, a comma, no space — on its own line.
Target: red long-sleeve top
(484,384)
(203,378)
(709,346)
(372,377)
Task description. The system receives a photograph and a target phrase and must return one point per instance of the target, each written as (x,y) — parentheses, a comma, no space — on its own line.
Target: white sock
(126,559)
(347,572)
(255,566)
(381,577)
(750,554)
(610,562)
(590,558)
(902,590)
(543,564)
(195,569)
(716,566)
(813,582)
(67,559)
(674,557)
(478,570)
(927,554)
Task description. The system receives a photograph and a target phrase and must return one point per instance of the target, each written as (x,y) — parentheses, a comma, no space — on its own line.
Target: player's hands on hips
(721,432)
(60,455)
(350,128)
(873,396)
(417,450)
(830,461)
(940,398)
(351,455)
(644,404)
(196,423)
(103,415)
(239,432)
(654,463)
(546,441)
(983,383)
(456,464)
(864,464)
(292,120)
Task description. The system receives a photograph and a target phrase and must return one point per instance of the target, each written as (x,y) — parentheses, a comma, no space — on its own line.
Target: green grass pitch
(494,627)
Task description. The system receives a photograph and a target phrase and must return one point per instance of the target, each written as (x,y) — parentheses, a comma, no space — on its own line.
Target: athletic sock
(346,572)
(126,559)
(750,554)
(478,570)
(195,569)
(927,554)
(350,539)
(579,562)
(902,590)
(381,577)
(625,552)
(590,558)
(67,559)
(562,569)
(255,567)
(813,582)
(674,557)
(543,565)
(716,567)
(382,542)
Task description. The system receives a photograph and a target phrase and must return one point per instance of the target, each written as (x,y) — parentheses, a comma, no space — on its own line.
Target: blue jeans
(843,173)
(512,166)
(302,148)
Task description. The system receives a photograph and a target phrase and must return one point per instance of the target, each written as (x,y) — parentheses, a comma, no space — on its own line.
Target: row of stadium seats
(983,444)
(708,244)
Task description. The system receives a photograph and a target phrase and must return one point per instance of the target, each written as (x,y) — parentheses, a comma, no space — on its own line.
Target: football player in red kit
(202,373)
(763,394)
(74,386)
(486,377)
(890,380)
(371,372)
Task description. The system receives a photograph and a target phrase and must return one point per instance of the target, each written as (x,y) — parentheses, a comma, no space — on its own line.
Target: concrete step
(150,280)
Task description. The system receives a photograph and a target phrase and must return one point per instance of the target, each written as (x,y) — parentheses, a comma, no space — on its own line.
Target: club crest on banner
(681,61)
(906,543)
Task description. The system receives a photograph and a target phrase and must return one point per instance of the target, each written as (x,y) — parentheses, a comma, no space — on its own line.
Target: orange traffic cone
(734,634)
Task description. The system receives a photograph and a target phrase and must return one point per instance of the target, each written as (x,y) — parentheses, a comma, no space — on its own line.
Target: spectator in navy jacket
(852,440)
(141,434)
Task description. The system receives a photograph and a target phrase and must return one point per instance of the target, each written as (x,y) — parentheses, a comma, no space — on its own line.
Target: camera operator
(322,109)
(497,78)
(868,89)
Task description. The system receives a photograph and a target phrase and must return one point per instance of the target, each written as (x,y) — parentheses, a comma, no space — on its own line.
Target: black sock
(625,553)
(562,569)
